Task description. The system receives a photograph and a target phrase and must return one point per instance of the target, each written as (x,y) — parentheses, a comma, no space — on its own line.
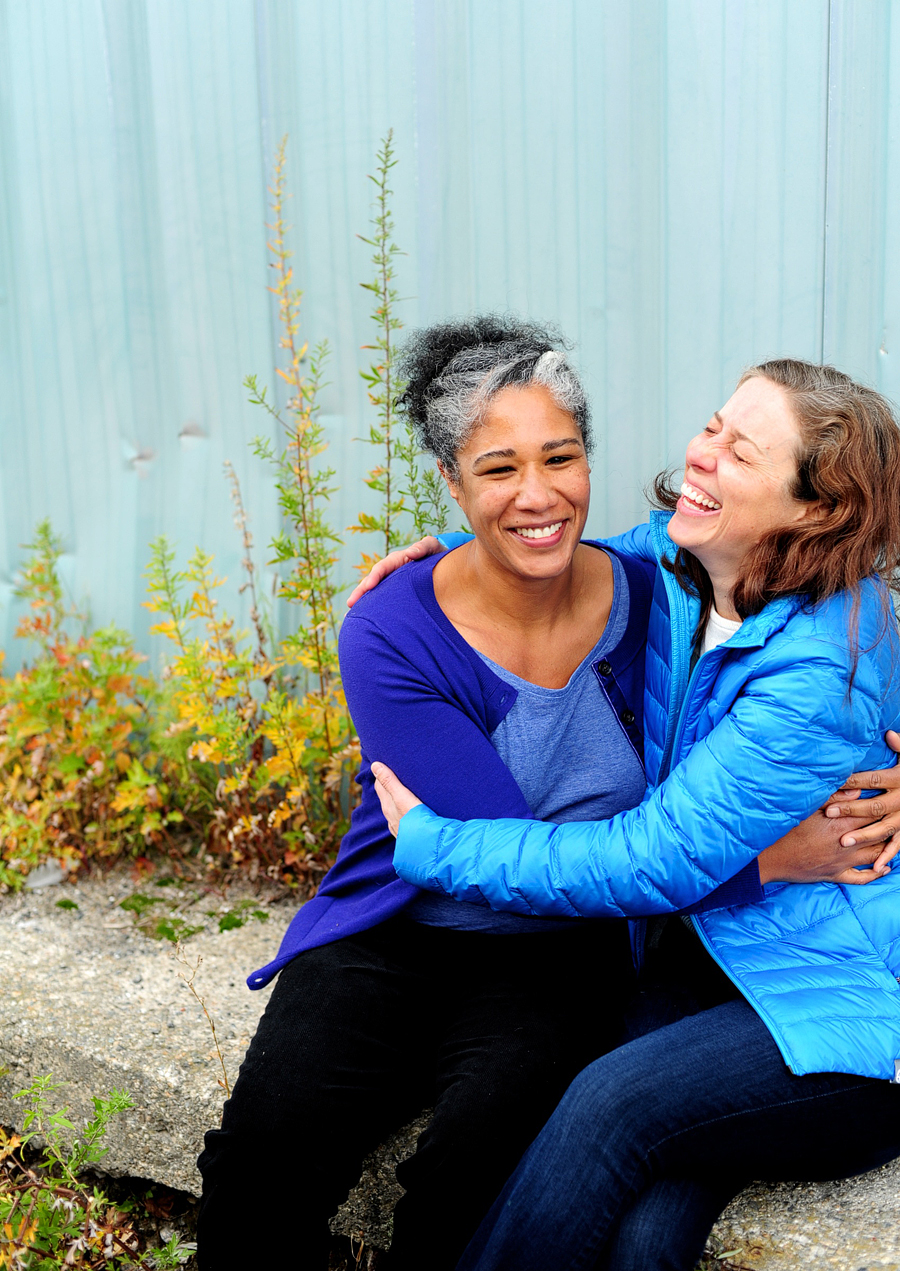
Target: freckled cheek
(487,511)
(578,493)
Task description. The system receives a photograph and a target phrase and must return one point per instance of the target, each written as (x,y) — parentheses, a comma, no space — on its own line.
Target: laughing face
(738,478)
(524,484)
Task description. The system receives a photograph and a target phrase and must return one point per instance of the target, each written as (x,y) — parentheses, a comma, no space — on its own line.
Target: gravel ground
(90,996)
(92,999)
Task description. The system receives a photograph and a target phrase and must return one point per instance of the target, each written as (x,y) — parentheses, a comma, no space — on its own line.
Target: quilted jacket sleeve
(454,538)
(635,542)
(788,741)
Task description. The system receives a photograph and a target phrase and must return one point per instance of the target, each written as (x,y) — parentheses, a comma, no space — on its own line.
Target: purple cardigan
(425,703)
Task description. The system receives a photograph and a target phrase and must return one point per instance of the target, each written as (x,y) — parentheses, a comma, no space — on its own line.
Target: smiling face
(738,478)
(524,483)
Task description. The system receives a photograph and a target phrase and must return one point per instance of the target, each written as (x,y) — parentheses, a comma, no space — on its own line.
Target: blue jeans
(651,1141)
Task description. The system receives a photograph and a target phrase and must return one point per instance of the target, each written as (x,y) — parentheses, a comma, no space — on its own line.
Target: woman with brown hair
(765,1036)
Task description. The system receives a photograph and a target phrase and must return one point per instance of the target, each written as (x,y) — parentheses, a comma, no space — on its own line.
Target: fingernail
(832,810)
(848,842)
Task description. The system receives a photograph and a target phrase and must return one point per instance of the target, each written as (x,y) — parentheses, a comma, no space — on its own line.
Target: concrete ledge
(90,998)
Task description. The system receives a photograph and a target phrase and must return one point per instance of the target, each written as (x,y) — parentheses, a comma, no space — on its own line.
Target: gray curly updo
(453,370)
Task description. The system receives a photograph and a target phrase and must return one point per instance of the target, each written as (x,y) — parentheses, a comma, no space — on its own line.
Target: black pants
(361,1035)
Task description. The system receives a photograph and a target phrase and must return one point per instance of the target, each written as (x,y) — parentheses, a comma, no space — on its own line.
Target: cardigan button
(604,667)
(627,717)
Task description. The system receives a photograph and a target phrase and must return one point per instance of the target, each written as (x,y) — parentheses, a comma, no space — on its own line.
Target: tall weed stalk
(412,499)
(272,727)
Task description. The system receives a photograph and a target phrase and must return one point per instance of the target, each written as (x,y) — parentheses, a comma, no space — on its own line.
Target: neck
(723,588)
(507,599)
(541,629)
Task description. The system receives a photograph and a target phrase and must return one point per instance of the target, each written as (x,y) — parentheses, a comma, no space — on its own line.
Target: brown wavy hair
(849,463)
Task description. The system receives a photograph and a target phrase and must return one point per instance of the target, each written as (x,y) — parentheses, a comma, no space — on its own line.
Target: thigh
(514,1030)
(341,1041)
(526,1014)
(710,1092)
(714,1089)
(335,1062)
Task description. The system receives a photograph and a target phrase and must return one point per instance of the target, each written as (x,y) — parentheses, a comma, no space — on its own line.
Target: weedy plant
(272,726)
(412,504)
(79,775)
(192,968)
(49,1218)
(247,742)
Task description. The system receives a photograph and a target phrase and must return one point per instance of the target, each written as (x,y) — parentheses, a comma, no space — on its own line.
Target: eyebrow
(494,454)
(511,454)
(739,436)
(566,441)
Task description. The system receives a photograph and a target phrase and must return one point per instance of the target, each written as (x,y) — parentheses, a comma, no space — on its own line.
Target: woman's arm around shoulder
(635,542)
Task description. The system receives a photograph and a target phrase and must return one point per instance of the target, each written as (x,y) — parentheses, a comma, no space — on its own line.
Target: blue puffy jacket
(739,751)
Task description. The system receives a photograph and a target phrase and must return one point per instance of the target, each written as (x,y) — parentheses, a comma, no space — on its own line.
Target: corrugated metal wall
(684,185)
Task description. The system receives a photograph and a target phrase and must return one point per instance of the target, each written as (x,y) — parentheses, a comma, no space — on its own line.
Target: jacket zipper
(672,749)
(680,637)
(679,679)
(698,926)
(682,714)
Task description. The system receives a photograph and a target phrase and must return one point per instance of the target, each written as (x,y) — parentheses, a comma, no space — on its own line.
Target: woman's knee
(609,1093)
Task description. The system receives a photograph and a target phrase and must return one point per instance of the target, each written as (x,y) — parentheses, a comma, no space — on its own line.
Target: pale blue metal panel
(745,157)
(858,221)
(682,185)
(138,266)
(212,260)
(630,171)
(539,160)
(888,357)
(335,78)
(61,415)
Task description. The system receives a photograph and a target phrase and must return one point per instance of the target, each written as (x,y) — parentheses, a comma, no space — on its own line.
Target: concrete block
(87,996)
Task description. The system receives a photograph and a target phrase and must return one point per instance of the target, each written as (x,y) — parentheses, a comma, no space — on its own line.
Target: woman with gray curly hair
(502,679)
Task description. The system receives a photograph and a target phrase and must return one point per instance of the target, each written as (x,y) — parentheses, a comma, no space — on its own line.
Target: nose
(535,492)
(700,453)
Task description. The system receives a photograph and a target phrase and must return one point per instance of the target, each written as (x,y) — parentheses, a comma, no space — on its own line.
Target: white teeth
(696,496)
(546,531)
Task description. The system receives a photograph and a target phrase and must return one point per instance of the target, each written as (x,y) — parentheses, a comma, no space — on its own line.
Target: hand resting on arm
(877,819)
(428,546)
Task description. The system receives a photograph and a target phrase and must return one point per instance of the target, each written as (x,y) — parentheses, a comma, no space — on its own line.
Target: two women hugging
(619,949)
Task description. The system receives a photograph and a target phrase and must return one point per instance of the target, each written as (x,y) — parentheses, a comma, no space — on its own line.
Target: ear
(817,511)
(452,486)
